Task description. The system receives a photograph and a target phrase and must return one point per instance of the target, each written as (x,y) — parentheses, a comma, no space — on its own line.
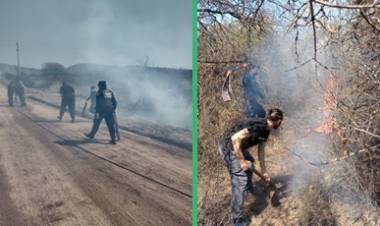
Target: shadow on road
(4,105)
(80,141)
(56,121)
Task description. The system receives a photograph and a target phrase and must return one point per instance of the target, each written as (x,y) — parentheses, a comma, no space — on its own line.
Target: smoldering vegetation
(327,148)
(157,95)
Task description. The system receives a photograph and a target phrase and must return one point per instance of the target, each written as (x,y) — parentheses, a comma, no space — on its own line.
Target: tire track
(77,147)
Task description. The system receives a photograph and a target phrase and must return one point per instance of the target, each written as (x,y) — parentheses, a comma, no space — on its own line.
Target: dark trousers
(10,97)
(21,95)
(241,182)
(110,121)
(67,103)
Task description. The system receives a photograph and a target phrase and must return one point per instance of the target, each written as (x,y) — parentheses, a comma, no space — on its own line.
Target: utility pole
(146,63)
(18,58)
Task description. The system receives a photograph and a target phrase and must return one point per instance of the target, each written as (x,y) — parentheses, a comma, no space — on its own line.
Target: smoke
(300,93)
(137,31)
(118,32)
(159,95)
(156,34)
(144,37)
(158,98)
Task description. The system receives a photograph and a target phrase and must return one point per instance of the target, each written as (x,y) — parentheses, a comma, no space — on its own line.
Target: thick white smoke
(300,93)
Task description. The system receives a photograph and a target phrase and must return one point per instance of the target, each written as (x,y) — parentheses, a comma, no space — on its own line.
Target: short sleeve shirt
(259,133)
(257,128)
(67,92)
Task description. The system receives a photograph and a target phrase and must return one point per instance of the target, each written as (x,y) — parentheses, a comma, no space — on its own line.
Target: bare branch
(367,132)
(211,11)
(298,66)
(314,29)
(367,6)
(368,20)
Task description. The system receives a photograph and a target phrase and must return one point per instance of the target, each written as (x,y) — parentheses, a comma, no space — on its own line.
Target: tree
(53,70)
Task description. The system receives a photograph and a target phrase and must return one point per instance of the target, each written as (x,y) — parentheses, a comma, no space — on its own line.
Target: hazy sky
(110,32)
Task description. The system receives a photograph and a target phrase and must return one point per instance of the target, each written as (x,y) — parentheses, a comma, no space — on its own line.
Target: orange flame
(329,124)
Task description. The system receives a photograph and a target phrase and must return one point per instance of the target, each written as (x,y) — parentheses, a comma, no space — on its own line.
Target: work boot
(88,135)
(112,141)
(59,118)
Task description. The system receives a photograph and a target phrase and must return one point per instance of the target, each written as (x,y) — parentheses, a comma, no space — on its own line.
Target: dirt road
(51,175)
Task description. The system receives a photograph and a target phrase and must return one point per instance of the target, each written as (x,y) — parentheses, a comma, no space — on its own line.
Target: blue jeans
(254,108)
(241,181)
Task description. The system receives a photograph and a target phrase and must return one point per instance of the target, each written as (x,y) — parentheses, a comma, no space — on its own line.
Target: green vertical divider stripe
(195,115)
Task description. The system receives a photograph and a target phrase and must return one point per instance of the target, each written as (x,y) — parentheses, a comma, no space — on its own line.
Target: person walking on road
(11,92)
(104,109)
(67,101)
(19,89)
(92,99)
(16,89)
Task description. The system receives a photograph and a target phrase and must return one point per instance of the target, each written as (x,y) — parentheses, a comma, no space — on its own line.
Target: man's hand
(245,165)
(267,178)
(97,115)
(228,73)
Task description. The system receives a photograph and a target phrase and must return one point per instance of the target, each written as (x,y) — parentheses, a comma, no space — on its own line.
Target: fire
(329,125)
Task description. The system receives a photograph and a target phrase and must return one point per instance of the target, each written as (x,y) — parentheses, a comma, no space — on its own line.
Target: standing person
(19,90)
(67,100)
(234,148)
(10,92)
(251,89)
(92,99)
(105,108)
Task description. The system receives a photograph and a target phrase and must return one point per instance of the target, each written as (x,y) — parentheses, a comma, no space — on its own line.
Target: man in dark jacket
(67,101)
(234,148)
(16,88)
(19,90)
(104,109)
(11,91)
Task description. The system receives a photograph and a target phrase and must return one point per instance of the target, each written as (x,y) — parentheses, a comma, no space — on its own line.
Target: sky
(107,32)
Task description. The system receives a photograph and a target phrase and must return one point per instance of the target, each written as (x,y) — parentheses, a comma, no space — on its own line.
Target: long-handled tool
(267,183)
(116,126)
(84,109)
(226,89)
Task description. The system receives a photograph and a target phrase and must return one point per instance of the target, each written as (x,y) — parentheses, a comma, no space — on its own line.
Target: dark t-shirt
(67,92)
(257,128)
